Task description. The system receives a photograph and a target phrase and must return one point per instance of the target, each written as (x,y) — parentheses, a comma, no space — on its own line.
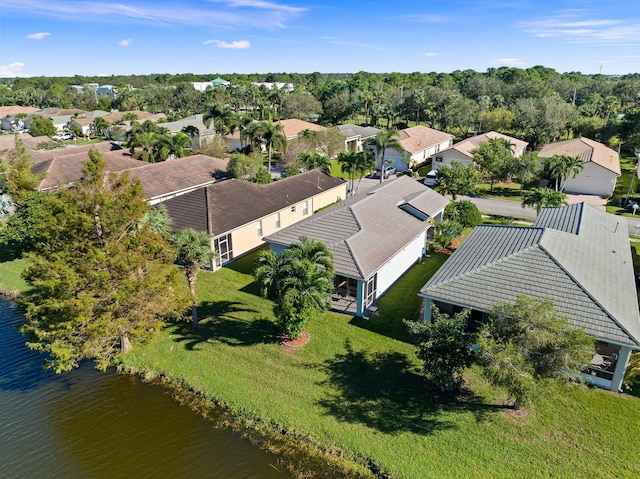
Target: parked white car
(67,135)
(431,179)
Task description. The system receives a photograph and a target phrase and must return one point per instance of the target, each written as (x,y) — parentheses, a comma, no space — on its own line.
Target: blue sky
(91,37)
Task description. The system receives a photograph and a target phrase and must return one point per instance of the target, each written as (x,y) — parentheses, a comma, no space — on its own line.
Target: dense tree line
(536,104)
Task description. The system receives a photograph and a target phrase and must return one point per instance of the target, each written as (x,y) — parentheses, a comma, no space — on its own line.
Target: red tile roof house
(238,214)
(292,127)
(374,237)
(419,143)
(601,165)
(463,151)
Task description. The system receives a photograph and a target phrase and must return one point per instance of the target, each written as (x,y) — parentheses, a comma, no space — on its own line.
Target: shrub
(463,212)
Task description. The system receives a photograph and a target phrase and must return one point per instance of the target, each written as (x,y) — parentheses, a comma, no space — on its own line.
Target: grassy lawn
(10,280)
(356,387)
(628,167)
(505,191)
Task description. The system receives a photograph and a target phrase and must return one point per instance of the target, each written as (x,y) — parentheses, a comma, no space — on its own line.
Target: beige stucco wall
(245,238)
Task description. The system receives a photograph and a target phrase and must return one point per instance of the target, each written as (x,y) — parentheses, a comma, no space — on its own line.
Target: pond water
(88,424)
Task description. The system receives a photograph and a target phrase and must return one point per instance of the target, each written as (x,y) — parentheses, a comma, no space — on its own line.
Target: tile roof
(469,145)
(193,120)
(65,165)
(350,131)
(232,203)
(577,256)
(588,150)
(177,175)
(15,110)
(8,142)
(364,232)
(418,138)
(292,127)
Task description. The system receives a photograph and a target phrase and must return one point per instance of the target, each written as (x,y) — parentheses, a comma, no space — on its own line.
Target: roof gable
(587,150)
(358,232)
(469,145)
(418,138)
(577,256)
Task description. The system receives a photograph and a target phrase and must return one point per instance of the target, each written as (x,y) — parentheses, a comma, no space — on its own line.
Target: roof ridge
(588,293)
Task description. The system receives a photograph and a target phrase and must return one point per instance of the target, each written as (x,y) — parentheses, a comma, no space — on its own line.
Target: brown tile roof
(178,175)
(468,146)
(15,110)
(292,127)
(232,203)
(587,150)
(65,165)
(418,138)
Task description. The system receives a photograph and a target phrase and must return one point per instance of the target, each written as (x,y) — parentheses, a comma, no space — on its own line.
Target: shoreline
(303,458)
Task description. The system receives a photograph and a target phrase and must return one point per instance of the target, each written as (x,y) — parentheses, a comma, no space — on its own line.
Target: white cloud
(126,42)
(578,26)
(226,13)
(512,62)
(238,44)
(431,54)
(38,36)
(12,70)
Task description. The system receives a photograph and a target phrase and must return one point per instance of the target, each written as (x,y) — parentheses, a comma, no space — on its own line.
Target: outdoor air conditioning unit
(438,159)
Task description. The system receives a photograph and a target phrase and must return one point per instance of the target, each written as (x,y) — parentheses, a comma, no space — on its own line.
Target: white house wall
(448,157)
(400,263)
(593,180)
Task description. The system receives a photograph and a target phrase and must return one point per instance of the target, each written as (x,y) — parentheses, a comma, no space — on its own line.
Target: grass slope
(356,386)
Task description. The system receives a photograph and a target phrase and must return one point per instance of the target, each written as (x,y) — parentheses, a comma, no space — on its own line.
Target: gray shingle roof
(364,232)
(577,256)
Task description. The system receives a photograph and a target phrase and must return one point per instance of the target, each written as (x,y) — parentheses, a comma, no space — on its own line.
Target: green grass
(11,282)
(357,387)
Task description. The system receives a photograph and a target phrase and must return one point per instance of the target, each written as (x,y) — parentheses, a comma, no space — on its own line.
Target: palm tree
(348,166)
(563,168)
(100,126)
(300,280)
(194,250)
(172,145)
(365,162)
(386,139)
(541,197)
(193,132)
(271,137)
(219,114)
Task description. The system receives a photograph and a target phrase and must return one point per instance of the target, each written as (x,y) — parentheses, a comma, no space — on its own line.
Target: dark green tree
(527,341)
(384,140)
(457,179)
(41,126)
(495,159)
(444,347)
(99,289)
(463,212)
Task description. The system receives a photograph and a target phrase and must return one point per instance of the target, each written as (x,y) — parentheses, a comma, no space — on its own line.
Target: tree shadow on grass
(222,323)
(384,392)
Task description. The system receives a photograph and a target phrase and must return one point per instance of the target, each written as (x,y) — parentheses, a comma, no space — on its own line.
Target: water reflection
(86,424)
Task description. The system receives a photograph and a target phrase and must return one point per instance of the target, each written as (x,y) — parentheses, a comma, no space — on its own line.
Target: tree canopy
(102,283)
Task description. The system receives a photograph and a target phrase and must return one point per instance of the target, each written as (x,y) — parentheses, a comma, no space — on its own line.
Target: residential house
(292,127)
(64,166)
(238,214)
(374,238)
(168,179)
(8,142)
(356,136)
(576,256)
(288,87)
(463,151)
(601,165)
(418,143)
(16,117)
(204,133)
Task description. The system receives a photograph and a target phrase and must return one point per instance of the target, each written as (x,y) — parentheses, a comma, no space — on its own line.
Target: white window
(305,208)
(260,228)
(277,220)
(438,159)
